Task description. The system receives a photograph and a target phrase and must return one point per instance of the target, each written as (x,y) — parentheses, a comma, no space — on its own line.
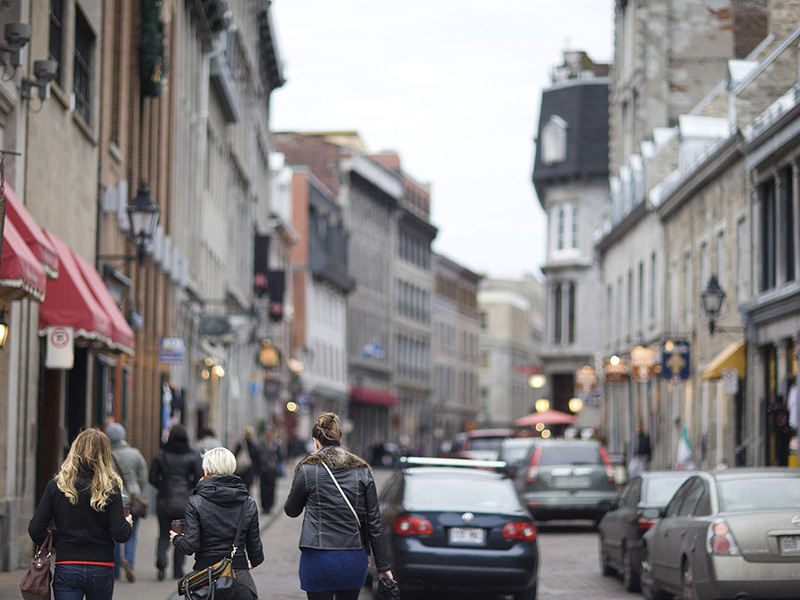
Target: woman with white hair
(219,500)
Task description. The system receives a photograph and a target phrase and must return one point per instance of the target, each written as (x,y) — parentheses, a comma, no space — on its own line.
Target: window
(741,261)
(560,226)
(688,290)
(574,244)
(640,297)
(82,77)
(56,42)
(768,237)
(652,287)
(571,314)
(722,275)
(554,140)
(557,321)
(788,224)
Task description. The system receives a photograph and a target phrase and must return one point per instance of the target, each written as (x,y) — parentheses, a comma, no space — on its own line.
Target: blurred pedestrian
(213,513)
(84,500)
(132,468)
(642,452)
(270,457)
(174,472)
(208,441)
(246,453)
(342,521)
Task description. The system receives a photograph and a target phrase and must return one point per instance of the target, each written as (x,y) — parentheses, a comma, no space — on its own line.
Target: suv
(479,444)
(566,479)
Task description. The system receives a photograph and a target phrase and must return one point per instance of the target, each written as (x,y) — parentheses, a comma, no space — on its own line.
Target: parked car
(458,528)
(636,508)
(479,444)
(732,533)
(567,479)
(513,452)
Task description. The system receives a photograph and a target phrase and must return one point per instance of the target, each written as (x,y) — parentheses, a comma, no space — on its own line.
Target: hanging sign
(616,370)
(643,363)
(675,360)
(60,348)
(585,380)
(172,350)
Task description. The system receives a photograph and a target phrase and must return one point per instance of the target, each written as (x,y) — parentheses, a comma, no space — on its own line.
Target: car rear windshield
(737,495)
(569,455)
(454,492)
(514,453)
(485,443)
(659,490)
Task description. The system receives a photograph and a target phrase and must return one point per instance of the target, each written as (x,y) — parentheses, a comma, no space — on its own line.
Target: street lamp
(542,405)
(711,300)
(143,216)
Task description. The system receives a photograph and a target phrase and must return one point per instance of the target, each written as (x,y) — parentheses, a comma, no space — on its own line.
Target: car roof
(560,442)
(520,441)
(488,433)
(452,471)
(748,472)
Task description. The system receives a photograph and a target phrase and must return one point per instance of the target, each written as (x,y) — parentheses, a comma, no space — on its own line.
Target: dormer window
(554,140)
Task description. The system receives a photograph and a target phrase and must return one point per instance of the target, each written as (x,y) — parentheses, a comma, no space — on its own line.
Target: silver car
(727,534)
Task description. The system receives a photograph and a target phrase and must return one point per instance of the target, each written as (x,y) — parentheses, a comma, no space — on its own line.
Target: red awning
(122,337)
(70,302)
(30,231)
(371,396)
(20,272)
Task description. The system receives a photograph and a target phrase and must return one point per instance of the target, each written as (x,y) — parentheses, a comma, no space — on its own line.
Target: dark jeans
(338,594)
(74,582)
(164,525)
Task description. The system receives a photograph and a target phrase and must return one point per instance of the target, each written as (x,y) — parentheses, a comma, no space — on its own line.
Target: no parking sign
(730,380)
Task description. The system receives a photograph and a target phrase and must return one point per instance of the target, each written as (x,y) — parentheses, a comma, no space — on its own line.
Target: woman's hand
(129,519)
(383,574)
(172,535)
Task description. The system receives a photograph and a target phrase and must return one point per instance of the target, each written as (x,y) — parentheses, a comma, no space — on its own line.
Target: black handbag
(217,582)
(387,589)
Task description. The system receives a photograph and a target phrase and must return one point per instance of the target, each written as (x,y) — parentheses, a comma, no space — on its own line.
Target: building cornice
(636,214)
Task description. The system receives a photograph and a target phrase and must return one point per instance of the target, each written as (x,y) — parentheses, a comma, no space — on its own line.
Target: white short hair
(219,461)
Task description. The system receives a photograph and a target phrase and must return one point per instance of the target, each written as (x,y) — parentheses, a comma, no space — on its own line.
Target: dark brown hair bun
(326,430)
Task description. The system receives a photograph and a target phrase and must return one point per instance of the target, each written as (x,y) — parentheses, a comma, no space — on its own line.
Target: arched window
(554,140)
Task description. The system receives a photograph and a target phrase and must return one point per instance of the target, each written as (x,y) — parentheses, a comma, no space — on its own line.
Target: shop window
(56,41)
(82,76)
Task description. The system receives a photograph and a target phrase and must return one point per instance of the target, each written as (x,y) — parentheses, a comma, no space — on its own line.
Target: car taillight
(406,525)
(525,531)
(533,468)
(607,463)
(645,523)
(719,539)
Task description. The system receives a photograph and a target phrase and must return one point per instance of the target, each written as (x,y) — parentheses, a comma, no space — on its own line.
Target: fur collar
(336,457)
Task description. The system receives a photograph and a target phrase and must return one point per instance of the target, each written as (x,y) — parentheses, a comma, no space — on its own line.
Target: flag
(685,454)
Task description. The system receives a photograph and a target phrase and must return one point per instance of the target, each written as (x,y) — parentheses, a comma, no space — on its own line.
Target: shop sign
(172,350)
(616,371)
(585,380)
(730,380)
(60,348)
(643,363)
(675,360)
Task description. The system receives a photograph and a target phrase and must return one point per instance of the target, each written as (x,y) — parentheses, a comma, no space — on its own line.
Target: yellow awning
(733,356)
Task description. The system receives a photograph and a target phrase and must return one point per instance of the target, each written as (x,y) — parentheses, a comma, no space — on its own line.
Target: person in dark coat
(270,456)
(249,444)
(212,516)
(85,502)
(175,471)
(334,549)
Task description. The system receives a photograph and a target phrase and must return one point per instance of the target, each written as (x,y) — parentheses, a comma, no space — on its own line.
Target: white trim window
(565,229)
(554,140)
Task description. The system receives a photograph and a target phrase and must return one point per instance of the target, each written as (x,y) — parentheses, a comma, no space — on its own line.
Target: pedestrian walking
(208,441)
(246,454)
(84,500)
(342,521)
(213,513)
(270,458)
(175,471)
(132,468)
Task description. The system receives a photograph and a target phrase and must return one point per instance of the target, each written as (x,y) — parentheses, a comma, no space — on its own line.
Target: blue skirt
(326,570)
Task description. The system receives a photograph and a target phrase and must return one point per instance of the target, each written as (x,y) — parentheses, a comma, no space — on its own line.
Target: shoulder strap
(341,491)
(238,528)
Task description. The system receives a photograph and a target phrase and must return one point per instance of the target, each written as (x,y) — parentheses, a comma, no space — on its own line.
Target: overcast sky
(454,87)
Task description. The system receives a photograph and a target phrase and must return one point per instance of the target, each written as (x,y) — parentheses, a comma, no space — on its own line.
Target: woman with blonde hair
(220,502)
(342,521)
(85,501)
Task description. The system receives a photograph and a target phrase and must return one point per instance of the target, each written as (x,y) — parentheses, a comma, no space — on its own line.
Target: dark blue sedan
(459,528)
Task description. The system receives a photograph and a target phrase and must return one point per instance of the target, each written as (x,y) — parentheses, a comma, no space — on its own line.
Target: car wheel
(630,578)
(688,591)
(605,567)
(649,588)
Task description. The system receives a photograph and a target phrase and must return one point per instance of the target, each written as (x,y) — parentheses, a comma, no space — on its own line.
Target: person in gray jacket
(339,527)
(132,467)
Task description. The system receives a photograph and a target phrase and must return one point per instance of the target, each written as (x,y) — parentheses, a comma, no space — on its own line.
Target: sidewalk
(147,585)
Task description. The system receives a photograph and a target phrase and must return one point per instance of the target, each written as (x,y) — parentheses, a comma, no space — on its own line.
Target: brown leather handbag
(36,582)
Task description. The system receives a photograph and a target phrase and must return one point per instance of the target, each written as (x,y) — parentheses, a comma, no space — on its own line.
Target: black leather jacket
(328,523)
(212,515)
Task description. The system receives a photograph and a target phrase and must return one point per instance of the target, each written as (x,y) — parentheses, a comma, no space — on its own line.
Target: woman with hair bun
(339,526)
(85,501)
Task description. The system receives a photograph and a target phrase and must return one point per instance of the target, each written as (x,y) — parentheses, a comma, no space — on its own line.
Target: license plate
(467,535)
(572,482)
(790,544)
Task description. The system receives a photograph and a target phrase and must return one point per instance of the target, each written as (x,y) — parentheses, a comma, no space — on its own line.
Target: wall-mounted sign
(675,360)
(172,350)
(616,370)
(643,363)
(60,348)
(730,380)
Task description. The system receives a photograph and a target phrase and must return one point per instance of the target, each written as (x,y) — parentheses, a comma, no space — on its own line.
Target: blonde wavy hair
(91,451)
